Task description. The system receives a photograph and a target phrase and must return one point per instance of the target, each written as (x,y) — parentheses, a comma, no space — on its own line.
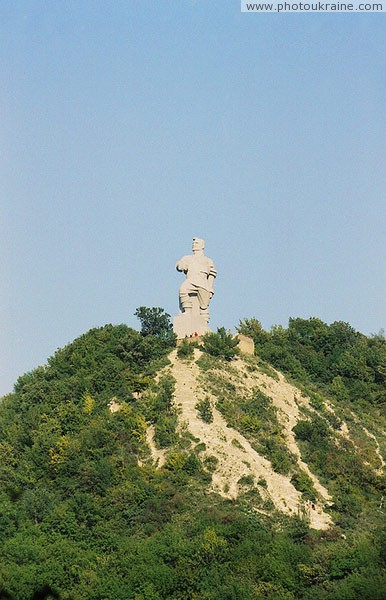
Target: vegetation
(335,363)
(255,417)
(205,411)
(84,515)
(156,322)
(343,362)
(186,349)
(220,344)
(161,412)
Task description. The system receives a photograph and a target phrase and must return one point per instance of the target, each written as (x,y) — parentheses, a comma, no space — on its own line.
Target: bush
(246,480)
(221,344)
(303,483)
(165,430)
(315,431)
(181,461)
(210,463)
(204,408)
(185,349)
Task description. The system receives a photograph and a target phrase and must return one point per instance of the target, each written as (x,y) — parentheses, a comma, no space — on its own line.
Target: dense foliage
(156,322)
(334,363)
(85,515)
(346,363)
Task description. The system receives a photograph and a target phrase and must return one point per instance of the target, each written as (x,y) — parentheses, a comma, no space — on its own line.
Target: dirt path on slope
(236,457)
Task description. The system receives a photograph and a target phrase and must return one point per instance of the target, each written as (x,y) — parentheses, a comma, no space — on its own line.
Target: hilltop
(132,469)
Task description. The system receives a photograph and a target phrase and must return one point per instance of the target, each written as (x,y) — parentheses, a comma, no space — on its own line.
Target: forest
(86,515)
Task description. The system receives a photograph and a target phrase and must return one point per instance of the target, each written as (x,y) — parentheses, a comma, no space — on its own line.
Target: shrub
(246,480)
(185,349)
(221,344)
(210,463)
(181,461)
(165,430)
(204,408)
(303,483)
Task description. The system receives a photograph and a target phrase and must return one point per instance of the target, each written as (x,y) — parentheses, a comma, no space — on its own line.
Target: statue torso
(198,268)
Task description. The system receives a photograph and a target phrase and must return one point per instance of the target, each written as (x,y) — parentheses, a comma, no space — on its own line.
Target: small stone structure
(246,344)
(195,292)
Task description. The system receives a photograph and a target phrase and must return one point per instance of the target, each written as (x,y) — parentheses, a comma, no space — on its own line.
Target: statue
(195,292)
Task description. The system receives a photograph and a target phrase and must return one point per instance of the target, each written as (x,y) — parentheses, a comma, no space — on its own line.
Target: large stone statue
(195,292)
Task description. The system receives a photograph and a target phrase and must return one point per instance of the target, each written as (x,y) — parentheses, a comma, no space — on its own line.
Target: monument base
(191,323)
(187,325)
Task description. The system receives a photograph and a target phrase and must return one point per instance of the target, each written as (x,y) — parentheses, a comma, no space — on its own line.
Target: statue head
(198,244)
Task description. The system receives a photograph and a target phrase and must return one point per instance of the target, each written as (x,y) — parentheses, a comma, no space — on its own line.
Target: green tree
(253,328)
(221,344)
(155,321)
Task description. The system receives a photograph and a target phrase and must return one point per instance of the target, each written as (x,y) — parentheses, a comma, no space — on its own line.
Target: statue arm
(182,265)
(210,285)
(211,277)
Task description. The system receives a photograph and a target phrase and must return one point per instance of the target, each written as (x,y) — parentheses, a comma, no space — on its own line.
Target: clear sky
(128,127)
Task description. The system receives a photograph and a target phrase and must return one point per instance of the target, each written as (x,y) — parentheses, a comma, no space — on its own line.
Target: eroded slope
(236,458)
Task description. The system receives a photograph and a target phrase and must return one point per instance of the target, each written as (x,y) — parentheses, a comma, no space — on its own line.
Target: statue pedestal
(191,322)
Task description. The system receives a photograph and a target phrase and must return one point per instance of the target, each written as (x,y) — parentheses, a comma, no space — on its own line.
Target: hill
(130,469)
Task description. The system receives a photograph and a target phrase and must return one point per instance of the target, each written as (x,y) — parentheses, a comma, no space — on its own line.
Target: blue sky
(129,127)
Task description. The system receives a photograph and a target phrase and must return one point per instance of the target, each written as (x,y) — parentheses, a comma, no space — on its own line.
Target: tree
(221,344)
(253,328)
(155,321)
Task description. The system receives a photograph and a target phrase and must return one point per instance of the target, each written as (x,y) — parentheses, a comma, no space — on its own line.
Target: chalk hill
(130,471)
(239,458)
